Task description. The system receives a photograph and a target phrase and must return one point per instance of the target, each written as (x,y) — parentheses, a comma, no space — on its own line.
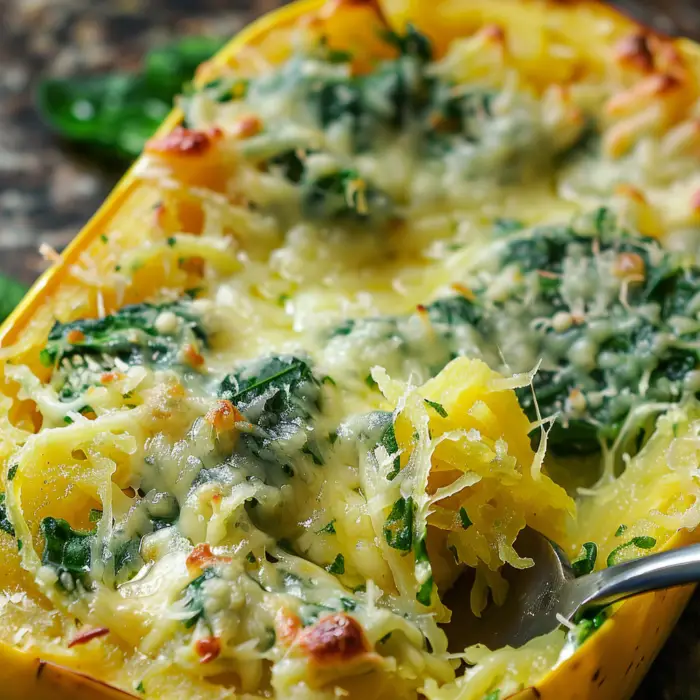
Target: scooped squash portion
(395,287)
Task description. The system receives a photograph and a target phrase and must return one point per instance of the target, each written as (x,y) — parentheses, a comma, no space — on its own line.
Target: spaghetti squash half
(394,284)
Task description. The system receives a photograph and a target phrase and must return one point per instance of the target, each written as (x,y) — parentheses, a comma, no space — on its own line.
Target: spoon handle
(657,571)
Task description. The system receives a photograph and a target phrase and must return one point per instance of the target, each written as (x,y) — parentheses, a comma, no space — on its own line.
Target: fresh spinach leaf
(11,293)
(114,114)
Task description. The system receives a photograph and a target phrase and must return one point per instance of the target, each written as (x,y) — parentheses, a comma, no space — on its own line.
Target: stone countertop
(48,190)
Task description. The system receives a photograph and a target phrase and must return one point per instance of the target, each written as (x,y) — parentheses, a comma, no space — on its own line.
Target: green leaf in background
(11,293)
(114,114)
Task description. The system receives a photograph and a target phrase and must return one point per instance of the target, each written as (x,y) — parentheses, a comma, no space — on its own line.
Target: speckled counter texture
(47,190)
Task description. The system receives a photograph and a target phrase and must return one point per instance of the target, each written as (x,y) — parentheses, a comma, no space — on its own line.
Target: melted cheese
(265,478)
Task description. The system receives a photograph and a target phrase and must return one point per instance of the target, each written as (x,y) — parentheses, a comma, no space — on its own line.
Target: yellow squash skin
(612,662)
(26,676)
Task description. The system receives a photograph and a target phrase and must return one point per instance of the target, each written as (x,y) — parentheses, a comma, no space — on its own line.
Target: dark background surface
(48,190)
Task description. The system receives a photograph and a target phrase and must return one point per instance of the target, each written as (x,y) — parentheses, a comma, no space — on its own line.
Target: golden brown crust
(184,142)
(334,639)
(202,557)
(224,416)
(287,626)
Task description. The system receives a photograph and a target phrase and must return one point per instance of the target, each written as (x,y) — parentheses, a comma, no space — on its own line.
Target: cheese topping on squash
(380,303)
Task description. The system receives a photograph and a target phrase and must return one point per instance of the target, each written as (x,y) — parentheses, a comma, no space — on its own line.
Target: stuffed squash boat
(394,284)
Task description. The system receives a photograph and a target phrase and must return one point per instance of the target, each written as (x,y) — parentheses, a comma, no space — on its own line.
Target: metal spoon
(541,596)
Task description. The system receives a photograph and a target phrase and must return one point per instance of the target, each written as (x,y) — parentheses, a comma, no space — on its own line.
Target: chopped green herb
(45,358)
(630,550)
(437,407)
(68,420)
(388,441)
(398,527)
(425,592)
(95,515)
(590,621)
(19,545)
(12,472)
(464,518)
(585,562)
(251,557)
(140,688)
(455,553)
(329,529)
(328,380)
(620,530)
(348,604)
(194,597)
(5,523)
(171,241)
(338,566)
(369,381)
(104,238)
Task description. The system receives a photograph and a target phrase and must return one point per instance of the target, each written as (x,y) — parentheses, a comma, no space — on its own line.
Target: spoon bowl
(546,595)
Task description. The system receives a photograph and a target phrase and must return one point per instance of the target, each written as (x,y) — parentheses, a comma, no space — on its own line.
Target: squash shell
(612,662)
